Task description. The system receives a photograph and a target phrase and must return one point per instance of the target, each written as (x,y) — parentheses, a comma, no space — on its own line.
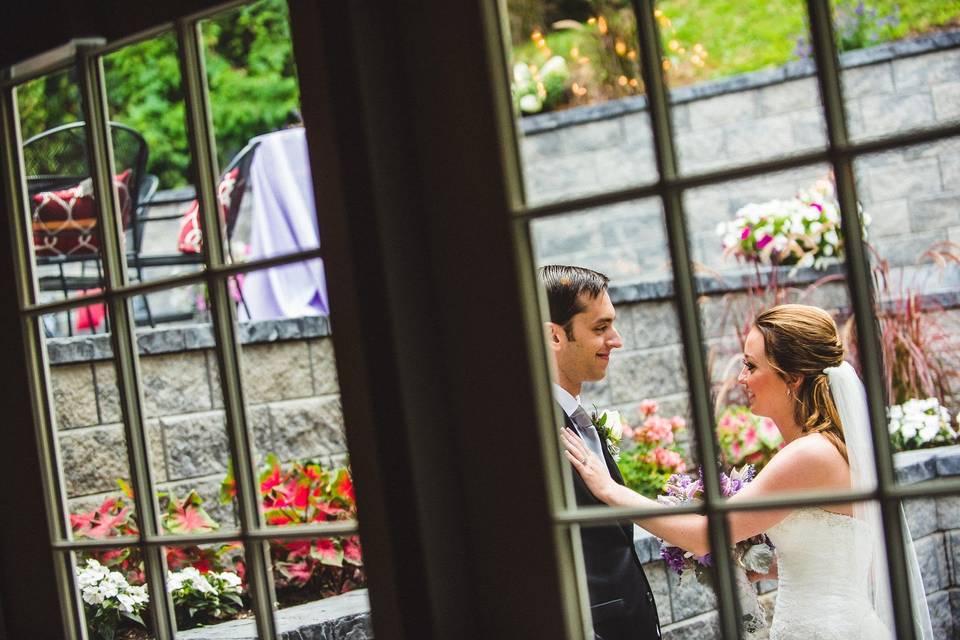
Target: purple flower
(704,561)
(673,557)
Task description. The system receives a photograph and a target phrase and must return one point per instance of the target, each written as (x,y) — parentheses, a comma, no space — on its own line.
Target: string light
(602,25)
(620,47)
(622,81)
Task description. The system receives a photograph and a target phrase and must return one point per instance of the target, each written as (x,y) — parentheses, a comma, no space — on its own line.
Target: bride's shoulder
(810,459)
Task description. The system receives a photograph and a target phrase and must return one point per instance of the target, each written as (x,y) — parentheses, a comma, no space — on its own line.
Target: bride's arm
(804,465)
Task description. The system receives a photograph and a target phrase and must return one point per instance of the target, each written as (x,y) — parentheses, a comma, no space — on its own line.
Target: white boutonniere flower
(610,428)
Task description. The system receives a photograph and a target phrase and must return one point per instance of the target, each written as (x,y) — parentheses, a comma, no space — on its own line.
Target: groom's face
(584,355)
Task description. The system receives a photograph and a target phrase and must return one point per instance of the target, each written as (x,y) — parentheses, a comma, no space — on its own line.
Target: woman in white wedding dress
(830,561)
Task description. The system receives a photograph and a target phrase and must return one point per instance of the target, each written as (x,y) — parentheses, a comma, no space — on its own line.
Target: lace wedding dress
(824,592)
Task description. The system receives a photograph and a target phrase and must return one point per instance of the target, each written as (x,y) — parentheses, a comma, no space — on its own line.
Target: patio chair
(64,210)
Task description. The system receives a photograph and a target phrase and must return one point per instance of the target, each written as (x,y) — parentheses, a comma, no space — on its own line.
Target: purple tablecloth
(283,220)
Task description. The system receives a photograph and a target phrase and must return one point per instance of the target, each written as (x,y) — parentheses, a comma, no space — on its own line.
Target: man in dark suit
(581,337)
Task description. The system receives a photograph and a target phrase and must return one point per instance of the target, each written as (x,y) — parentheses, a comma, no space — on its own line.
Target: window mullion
(203,152)
(858,279)
(687,309)
(11,164)
(123,337)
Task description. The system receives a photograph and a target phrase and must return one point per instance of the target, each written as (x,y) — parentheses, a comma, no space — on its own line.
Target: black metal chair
(56,162)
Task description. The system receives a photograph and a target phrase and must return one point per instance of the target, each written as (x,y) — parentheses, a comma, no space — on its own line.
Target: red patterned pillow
(191,237)
(65,221)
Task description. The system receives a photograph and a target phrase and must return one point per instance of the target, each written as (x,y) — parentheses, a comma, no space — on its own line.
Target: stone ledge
(343,617)
(794,70)
(158,340)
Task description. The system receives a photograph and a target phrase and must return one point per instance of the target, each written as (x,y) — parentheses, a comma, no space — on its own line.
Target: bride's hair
(800,342)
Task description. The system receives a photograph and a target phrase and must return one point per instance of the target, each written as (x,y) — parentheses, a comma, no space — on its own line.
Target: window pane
(738,94)
(63,208)
(309,570)
(578,99)
(113,593)
(909,196)
(207,584)
(898,75)
(145,101)
(183,402)
(91,442)
(265,185)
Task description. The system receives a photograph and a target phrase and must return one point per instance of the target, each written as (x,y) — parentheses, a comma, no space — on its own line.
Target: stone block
(932,557)
(595,393)
(723,109)
(882,115)
(955,607)
(655,324)
(647,546)
(916,73)
(950,170)
(941,618)
(688,597)
(599,135)
(921,515)
(258,419)
(948,514)
(324,365)
(809,128)
(637,133)
(175,383)
(308,428)
(702,627)
(937,212)
(158,453)
(946,101)
(74,396)
(196,444)
(108,395)
(914,466)
(951,541)
(896,178)
(93,459)
(789,96)
(948,461)
(656,573)
(538,146)
(888,218)
(276,371)
(646,374)
(700,150)
(906,249)
(871,80)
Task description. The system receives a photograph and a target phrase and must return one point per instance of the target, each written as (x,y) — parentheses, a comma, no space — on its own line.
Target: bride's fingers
(572,443)
(574,460)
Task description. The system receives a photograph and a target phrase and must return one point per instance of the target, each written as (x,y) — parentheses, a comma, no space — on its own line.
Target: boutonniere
(610,428)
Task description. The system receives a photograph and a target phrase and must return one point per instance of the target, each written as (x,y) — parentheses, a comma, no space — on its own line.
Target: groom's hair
(564,286)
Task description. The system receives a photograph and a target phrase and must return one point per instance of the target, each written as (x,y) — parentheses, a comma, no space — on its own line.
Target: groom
(581,337)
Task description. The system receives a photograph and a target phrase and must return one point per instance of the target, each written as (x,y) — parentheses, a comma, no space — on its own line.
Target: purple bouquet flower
(683,489)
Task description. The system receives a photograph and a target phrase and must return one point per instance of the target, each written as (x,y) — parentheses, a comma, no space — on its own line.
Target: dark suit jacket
(621,602)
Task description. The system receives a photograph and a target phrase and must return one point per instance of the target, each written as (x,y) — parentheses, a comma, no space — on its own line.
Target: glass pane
(582,121)
(684,603)
(265,185)
(737,95)
(898,74)
(207,584)
(916,270)
(113,593)
(310,570)
(65,236)
(183,403)
(148,132)
(91,442)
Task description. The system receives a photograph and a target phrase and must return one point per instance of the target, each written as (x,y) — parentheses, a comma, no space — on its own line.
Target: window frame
(840,153)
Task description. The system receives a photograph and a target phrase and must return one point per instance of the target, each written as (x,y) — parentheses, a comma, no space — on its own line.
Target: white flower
(613,424)
(556,64)
(521,74)
(530,103)
(909,429)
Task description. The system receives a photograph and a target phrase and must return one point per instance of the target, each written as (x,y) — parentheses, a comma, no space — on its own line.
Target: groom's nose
(614,341)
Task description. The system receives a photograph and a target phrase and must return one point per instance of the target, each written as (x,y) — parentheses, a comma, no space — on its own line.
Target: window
(635,183)
(189,411)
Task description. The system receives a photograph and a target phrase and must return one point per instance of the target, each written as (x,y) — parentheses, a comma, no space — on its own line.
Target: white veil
(851,401)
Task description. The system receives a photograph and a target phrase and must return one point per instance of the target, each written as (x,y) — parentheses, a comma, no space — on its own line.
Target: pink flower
(648,407)
(745,234)
(764,241)
(750,437)
(655,429)
(678,423)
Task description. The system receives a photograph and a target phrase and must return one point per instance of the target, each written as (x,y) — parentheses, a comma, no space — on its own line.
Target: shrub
(747,439)
(651,453)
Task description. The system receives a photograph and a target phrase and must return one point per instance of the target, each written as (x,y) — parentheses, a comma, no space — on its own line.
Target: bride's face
(766,390)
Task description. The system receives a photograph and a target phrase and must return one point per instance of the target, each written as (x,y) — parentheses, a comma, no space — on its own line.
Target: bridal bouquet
(753,554)
(803,231)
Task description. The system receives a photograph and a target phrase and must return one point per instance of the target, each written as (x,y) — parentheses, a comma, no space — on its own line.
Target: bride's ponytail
(800,342)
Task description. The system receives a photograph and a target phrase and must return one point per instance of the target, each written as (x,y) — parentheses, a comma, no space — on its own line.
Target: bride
(832,578)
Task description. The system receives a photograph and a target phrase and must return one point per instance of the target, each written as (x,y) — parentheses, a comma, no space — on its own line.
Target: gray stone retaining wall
(687,610)
(911,194)
(290,382)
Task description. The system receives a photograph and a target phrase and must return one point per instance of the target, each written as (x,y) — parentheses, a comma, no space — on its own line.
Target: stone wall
(290,383)
(688,609)
(912,194)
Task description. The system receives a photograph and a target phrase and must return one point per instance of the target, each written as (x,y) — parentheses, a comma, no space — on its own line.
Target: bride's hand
(593,470)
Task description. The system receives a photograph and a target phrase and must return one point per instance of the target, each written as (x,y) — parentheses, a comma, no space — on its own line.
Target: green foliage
(250,73)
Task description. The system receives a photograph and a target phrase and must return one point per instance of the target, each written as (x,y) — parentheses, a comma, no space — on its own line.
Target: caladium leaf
(351,551)
(327,552)
(187,516)
(296,572)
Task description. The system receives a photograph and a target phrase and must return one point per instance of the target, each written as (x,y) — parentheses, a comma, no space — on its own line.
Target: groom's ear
(551,332)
